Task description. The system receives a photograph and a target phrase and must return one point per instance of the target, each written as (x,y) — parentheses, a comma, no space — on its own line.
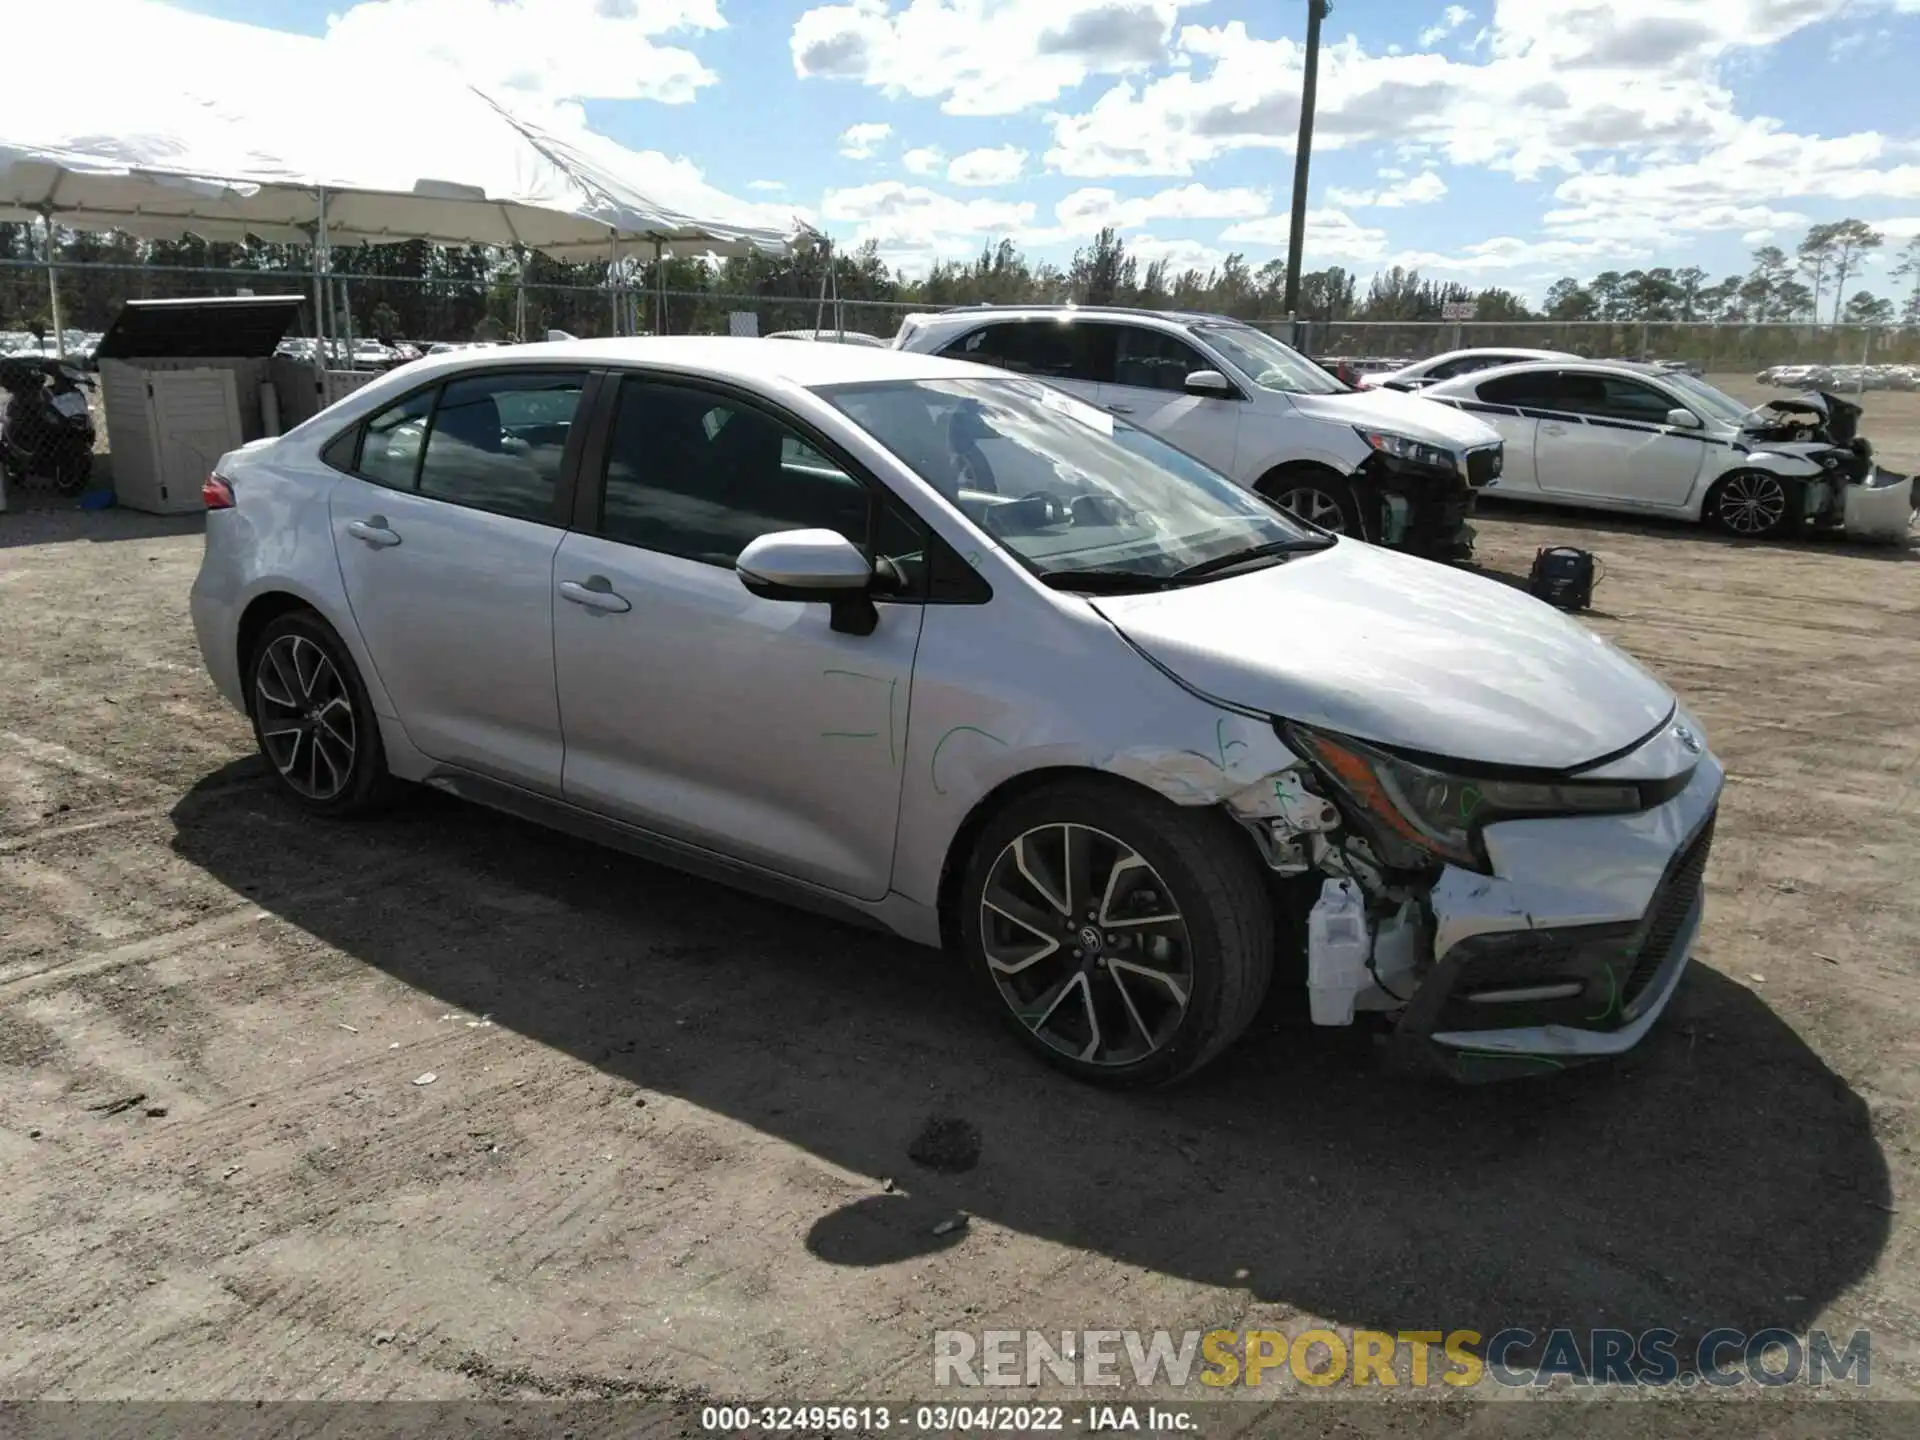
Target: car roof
(1633,368)
(718,357)
(1067,312)
(1519,350)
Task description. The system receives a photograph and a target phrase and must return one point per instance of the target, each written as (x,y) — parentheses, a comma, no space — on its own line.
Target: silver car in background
(924,644)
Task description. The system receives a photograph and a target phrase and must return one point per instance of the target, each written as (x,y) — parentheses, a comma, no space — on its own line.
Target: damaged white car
(922,644)
(1620,436)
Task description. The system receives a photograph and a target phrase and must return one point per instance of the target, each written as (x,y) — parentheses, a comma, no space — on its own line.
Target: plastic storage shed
(180,383)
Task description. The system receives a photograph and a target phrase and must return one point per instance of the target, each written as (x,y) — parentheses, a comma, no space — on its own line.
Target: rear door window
(497,441)
(1536,390)
(1051,349)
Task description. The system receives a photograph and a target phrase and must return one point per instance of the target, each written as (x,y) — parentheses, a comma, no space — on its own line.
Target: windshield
(1062,485)
(1268,363)
(1716,403)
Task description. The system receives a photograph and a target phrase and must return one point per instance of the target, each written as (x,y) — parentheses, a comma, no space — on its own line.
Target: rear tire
(1319,496)
(312,720)
(1752,505)
(1125,939)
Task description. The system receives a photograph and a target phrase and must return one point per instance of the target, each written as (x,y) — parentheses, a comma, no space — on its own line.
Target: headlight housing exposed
(1403,447)
(1417,815)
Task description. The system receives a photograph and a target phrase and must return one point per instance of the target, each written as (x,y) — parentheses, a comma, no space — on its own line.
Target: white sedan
(1622,436)
(1454,364)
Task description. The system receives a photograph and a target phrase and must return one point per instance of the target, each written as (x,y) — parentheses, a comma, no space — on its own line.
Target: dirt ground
(444,1105)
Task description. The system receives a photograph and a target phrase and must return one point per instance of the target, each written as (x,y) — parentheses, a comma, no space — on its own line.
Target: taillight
(216,493)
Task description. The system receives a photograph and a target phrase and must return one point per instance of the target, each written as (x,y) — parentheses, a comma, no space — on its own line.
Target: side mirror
(1211,385)
(812,566)
(1683,419)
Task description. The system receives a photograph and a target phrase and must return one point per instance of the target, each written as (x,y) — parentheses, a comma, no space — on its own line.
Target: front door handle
(374,532)
(596,594)
(1553,429)
(1121,409)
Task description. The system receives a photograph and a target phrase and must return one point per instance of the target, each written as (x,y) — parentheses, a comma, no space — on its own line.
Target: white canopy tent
(193,125)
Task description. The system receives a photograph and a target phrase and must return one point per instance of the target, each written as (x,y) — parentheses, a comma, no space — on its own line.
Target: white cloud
(1757,237)
(925,160)
(1001,165)
(1509,252)
(858,142)
(1423,189)
(771,186)
(1331,235)
(915,226)
(982,57)
(1180,255)
(555,50)
(1451,19)
(1559,82)
(1716,188)
(1090,209)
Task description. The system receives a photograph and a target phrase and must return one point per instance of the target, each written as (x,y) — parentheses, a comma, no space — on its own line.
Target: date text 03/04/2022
(944,1419)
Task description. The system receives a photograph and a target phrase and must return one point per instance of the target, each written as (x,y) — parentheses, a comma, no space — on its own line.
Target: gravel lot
(666,1145)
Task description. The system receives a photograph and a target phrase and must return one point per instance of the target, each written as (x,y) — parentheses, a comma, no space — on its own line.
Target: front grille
(1482,467)
(1672,903)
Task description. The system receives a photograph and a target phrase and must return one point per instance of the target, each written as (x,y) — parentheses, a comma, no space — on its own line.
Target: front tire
(1752,505)
(1320,497)
(313,721)
(1125,939)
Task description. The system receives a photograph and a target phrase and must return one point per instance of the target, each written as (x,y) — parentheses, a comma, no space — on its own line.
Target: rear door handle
(1553,429)
(374,532)
(596,594)
(1121,409)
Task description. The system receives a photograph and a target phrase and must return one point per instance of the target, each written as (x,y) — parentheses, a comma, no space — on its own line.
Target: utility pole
(1317,10)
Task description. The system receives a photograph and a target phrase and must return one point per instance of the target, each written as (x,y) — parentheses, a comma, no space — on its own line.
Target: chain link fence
(379,319)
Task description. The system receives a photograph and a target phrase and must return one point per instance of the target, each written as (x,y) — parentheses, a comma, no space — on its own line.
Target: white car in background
(1373,464)
(1454,364)
(1621,436)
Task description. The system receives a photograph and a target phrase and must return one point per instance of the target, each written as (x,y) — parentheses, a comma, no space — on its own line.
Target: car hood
(1403,652)
(1403,414)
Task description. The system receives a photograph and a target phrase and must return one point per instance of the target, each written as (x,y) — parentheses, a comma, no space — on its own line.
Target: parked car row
(950,650)
(1841,377)
(1384,463)
(78,349)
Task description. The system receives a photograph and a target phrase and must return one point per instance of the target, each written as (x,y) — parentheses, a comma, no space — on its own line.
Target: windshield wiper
(1104,582)
(1233,558)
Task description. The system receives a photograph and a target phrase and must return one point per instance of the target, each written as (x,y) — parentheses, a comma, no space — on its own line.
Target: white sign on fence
(745,323)
(1464,310)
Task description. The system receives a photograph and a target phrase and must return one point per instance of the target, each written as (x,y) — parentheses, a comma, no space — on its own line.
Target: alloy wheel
(1314,506)
(307,725)
(1086,945)
(1752,504)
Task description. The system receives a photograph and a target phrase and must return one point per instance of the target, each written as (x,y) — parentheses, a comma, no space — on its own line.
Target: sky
(1494,142)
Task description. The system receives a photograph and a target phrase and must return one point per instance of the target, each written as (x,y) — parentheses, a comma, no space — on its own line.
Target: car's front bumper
(1572,952)
(1437,502)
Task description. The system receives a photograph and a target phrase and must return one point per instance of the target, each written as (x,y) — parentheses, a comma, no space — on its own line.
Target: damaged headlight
(1414,452)
(1417,815)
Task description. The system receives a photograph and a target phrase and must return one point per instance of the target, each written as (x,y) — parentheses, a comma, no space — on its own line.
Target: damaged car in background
(1372,463)
(1129,741)
(1615,435)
